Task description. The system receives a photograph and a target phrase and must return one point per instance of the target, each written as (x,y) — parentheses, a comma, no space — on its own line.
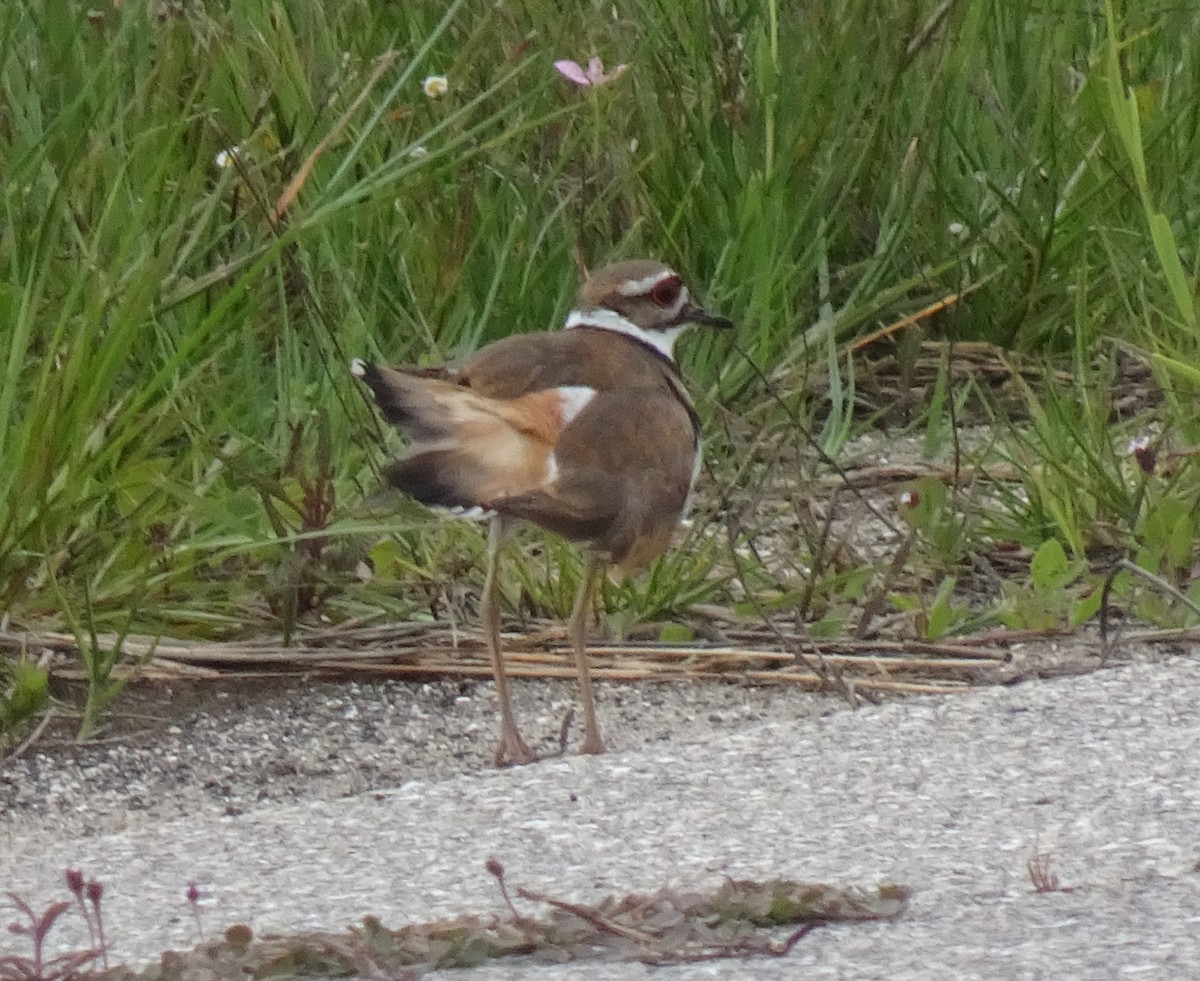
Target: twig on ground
(20,749)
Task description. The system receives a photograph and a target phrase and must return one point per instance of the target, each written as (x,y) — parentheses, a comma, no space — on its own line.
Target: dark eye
(665,293)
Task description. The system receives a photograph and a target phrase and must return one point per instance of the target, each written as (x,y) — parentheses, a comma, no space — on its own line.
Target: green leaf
(1172,266)
(1086,607)
(941,614)
(27,694)
(676,633)
(1049,569)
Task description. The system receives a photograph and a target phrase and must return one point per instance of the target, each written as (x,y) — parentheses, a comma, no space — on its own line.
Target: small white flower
(418,153)
(225,158)
(957,229)
(908,498)
(1138,444)
(435,86)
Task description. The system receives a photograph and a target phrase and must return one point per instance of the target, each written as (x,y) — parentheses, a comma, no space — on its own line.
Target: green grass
(181,449)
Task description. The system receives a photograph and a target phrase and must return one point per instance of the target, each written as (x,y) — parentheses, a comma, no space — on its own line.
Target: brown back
(591,356)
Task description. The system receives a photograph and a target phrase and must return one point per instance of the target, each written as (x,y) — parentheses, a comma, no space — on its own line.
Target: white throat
(662,341)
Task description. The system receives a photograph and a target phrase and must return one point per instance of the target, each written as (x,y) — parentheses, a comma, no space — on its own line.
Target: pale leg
(512,748)
(577,630)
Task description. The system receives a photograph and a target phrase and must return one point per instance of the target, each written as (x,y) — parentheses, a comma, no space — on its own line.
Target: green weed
(207,209)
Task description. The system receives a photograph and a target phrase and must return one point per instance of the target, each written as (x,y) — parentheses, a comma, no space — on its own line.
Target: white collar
(662,341)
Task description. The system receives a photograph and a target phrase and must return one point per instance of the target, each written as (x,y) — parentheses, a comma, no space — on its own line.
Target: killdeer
(587,432)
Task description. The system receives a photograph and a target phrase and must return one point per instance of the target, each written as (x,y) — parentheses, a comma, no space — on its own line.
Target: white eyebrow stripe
(572,400)
(662,341)
(638,287)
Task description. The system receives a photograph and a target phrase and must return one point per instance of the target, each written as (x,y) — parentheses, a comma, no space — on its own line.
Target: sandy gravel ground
(950,796)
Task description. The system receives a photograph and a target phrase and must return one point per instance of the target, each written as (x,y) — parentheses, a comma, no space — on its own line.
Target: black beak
(698,315)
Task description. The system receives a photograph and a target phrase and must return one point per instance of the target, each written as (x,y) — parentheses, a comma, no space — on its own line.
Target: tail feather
(405,400)
(438,478)
(467,449)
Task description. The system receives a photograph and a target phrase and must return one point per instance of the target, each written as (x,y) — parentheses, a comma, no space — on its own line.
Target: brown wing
(599,359)
(624,471)
(509,368)
(500,431)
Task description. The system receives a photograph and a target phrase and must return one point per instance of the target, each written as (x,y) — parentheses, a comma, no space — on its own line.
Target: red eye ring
(665,294)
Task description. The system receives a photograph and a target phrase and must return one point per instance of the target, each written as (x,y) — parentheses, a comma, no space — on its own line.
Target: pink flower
(594,74)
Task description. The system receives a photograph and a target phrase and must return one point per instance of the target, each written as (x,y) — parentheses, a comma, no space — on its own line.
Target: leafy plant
(939,616)
(40,964)
(939,525)
(1056,595)
(24,694)
(208,209)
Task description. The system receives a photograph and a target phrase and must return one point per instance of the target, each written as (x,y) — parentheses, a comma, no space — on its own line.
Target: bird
(587,432)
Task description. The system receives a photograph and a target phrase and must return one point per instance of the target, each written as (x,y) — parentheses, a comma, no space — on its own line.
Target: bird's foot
(512,749)
(592,744)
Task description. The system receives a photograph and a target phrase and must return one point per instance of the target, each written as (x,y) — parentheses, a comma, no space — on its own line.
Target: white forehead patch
(662,341)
